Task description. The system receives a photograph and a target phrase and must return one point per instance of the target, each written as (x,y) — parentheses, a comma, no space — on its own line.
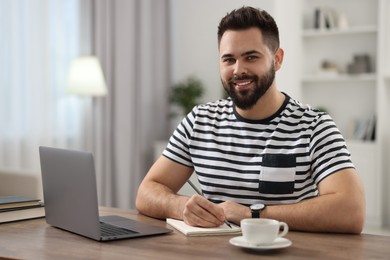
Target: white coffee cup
(262,230)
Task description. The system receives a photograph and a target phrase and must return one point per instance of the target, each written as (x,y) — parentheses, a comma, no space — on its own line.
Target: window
(38,41)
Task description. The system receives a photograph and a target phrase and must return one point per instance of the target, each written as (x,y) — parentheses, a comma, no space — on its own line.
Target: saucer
(279,242)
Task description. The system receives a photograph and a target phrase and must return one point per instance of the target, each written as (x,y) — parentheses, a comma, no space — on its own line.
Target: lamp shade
(86,77)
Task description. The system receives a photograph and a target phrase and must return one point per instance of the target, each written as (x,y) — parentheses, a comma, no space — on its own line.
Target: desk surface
(34,239)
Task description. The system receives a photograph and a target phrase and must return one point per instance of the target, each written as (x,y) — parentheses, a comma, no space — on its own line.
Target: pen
(200,193)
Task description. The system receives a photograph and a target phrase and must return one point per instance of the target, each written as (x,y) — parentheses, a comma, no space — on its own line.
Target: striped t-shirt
(278,160)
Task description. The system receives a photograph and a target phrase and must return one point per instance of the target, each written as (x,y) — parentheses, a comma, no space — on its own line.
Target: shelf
(339,77)
(350,31)
(352,99)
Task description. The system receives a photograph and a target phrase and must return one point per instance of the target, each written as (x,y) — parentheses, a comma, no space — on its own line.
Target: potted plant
(186,94)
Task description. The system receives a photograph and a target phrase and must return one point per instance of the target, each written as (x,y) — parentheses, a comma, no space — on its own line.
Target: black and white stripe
(277,160)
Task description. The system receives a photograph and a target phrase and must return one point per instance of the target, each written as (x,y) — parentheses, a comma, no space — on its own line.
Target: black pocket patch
(277,174)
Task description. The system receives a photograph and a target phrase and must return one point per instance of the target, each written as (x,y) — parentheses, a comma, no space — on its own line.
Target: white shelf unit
(384,101)
(335,31)
(350,98)
(334,78)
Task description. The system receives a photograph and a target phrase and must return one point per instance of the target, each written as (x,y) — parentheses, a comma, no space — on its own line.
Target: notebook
(203,231)
(70,197)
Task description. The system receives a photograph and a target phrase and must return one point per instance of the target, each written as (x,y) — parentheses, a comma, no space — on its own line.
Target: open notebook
(201,231)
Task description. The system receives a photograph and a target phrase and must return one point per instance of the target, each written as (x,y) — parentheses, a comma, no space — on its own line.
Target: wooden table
(34,239)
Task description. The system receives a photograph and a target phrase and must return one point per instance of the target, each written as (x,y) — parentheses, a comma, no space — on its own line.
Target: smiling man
(259,153)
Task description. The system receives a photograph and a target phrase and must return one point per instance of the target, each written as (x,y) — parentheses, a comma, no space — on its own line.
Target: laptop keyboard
(110,230)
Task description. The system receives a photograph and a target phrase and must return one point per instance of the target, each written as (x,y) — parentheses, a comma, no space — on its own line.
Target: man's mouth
(242,84)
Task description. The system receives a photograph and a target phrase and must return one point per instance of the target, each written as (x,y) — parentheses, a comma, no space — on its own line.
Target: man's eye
(229,60)
(252,57)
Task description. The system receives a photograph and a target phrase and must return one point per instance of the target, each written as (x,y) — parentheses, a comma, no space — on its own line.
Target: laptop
(70,197)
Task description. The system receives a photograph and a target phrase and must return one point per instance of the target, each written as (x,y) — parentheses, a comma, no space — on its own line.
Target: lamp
(86,77)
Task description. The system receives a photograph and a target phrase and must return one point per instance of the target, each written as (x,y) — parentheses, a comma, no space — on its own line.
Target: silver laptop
(70,197)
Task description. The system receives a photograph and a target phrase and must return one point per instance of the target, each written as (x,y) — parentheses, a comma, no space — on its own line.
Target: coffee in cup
(262,230)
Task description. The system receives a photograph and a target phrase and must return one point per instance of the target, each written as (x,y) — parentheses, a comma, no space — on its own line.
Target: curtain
(38,40)
(131,39)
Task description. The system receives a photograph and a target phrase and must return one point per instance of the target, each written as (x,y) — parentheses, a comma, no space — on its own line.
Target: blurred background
(337,58)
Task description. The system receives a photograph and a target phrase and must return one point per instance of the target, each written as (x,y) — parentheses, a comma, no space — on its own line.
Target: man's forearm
(156,200)
(327,213)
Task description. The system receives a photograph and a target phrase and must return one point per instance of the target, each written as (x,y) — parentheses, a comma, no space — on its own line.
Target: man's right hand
(198,211)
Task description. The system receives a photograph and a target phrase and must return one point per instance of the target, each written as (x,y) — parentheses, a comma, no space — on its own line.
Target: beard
(246,99)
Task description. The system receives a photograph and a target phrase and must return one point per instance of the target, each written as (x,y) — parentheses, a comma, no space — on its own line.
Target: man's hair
(248,17)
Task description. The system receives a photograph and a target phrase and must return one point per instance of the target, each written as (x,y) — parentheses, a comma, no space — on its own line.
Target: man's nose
(239,68)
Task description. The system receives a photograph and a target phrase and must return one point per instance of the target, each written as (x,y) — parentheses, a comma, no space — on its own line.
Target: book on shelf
(364,129)
(324,18)
(19,214)
(203,231)
(9,202)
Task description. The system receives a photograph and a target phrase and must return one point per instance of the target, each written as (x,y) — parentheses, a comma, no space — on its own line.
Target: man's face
(246,66)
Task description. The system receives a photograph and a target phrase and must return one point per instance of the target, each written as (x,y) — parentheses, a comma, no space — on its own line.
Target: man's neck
(265,107)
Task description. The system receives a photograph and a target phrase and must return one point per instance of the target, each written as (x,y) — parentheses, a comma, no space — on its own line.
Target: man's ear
(278,60)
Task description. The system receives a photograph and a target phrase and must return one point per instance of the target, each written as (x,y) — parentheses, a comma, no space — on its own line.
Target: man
(259,153)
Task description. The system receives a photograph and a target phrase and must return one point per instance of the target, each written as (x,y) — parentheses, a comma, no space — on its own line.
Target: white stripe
(277,174)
